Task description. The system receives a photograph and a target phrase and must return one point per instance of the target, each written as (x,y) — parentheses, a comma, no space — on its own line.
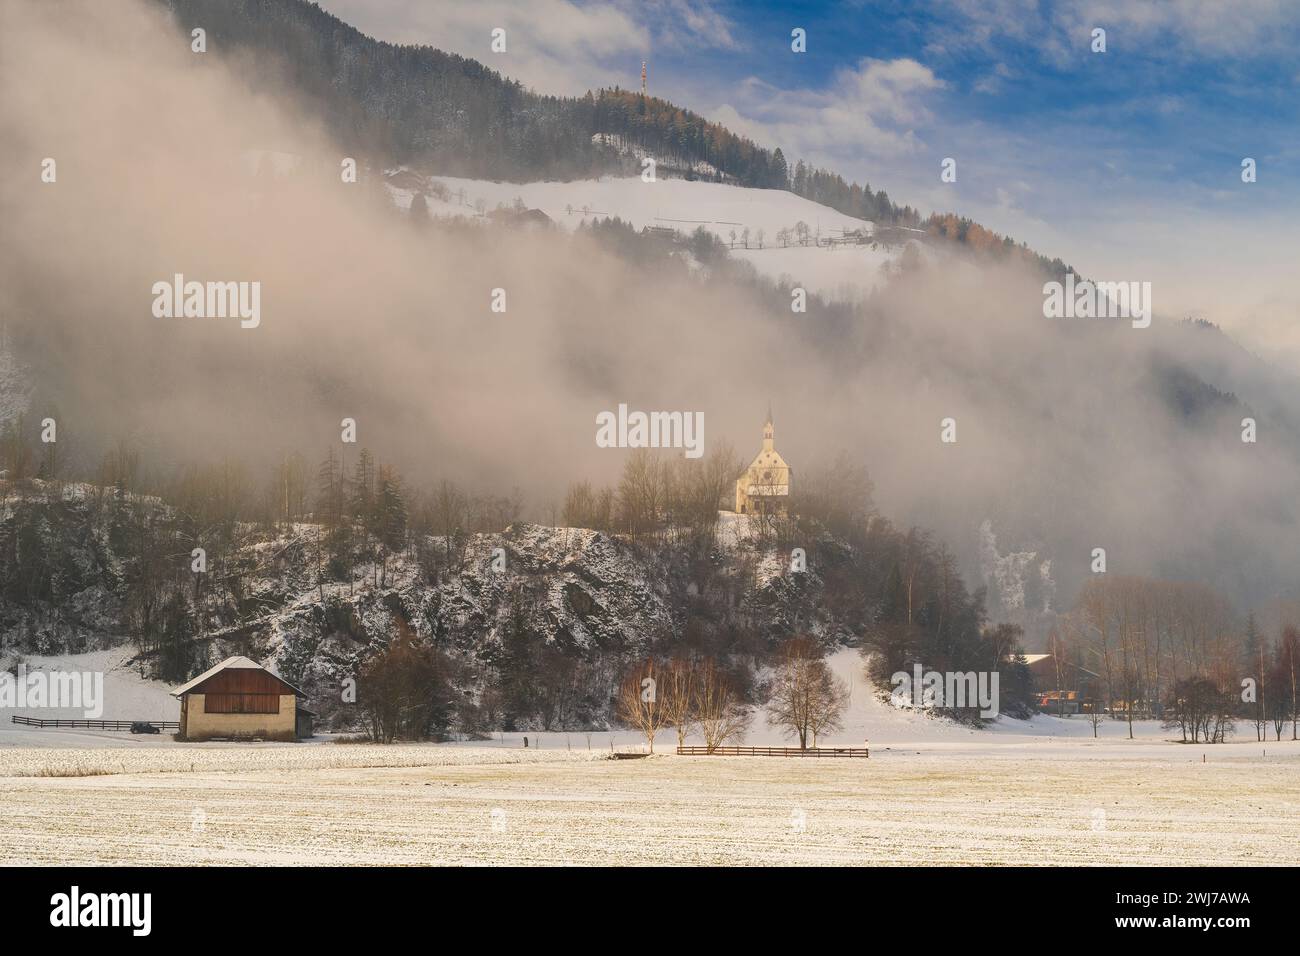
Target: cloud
(1061,30)
(993,83)
(1201,27)
(870,108)
(685,25)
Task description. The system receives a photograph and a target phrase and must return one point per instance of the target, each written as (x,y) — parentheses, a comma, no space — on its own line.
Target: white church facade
(764,488)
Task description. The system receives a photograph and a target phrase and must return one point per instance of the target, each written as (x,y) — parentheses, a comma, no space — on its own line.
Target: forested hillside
(523,626)
(454,116)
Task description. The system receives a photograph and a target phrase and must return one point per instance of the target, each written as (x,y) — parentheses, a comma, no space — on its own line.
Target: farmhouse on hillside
(241,698)
(764,488)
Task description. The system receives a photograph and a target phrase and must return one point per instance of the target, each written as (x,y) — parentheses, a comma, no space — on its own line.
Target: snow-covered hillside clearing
(726,211)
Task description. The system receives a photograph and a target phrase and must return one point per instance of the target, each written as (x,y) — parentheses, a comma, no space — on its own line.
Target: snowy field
(895,808)
(1032,792)
(674,203)
(245,758)
(848,272)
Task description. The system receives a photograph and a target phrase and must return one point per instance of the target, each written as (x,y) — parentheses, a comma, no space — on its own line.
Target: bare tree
(450,511)
(588,507)
(677,692)
(1056,647)
(720,713)
(1289,648)
(1095,715)
(641,493)
(830,698)
(693,492)
(805,695)
(403,689)
(638,701)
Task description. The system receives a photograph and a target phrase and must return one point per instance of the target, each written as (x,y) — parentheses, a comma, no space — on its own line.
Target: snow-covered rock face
(580,589)
(60,579)
(15,384)
(582,592)
(1021,588)
(75,582)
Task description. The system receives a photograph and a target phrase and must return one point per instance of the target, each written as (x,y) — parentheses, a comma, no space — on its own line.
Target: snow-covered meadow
(1020,792)
(895,808)
(847,272)
(279,758)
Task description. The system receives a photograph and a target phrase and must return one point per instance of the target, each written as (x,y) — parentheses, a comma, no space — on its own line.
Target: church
(764,488)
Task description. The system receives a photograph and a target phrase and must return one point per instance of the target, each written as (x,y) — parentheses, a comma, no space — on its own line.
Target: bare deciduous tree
(720,713)
(805,696)
(1096,715)
(830,698)
(641,493)
(677,697)
(403,689)
(638,701)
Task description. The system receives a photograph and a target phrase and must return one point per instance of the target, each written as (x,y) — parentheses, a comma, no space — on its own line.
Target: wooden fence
(774,752)
(95,724)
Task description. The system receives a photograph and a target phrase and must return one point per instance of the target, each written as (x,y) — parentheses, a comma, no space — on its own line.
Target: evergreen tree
(419,209)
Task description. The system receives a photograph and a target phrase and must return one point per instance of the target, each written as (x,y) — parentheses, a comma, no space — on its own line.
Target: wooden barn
(241,698)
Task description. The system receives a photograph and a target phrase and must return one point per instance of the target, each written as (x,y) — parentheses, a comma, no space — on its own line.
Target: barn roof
(238,663)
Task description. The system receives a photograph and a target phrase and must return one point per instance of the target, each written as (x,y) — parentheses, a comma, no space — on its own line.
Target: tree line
(1137,646)
(688,695)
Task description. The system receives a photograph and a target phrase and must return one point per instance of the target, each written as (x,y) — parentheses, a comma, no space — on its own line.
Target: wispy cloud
(1060,30)
(869,109)
(686,24)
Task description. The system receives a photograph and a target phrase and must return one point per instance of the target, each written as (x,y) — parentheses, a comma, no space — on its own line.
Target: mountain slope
(453,115)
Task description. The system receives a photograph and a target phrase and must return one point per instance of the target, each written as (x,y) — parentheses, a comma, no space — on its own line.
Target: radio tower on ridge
(643,77)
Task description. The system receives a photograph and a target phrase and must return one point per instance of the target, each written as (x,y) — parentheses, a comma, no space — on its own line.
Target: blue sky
(1125,163)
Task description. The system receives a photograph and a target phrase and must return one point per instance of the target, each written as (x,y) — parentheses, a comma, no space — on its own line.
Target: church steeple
(764,488)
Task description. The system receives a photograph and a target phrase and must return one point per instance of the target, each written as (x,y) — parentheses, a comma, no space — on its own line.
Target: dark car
(143,727)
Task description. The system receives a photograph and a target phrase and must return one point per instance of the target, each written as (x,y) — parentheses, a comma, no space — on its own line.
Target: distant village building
(764,488)
(519,215)
(241,698)
(1061,686)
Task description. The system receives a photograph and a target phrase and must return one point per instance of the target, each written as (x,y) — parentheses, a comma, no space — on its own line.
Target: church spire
(769,432)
